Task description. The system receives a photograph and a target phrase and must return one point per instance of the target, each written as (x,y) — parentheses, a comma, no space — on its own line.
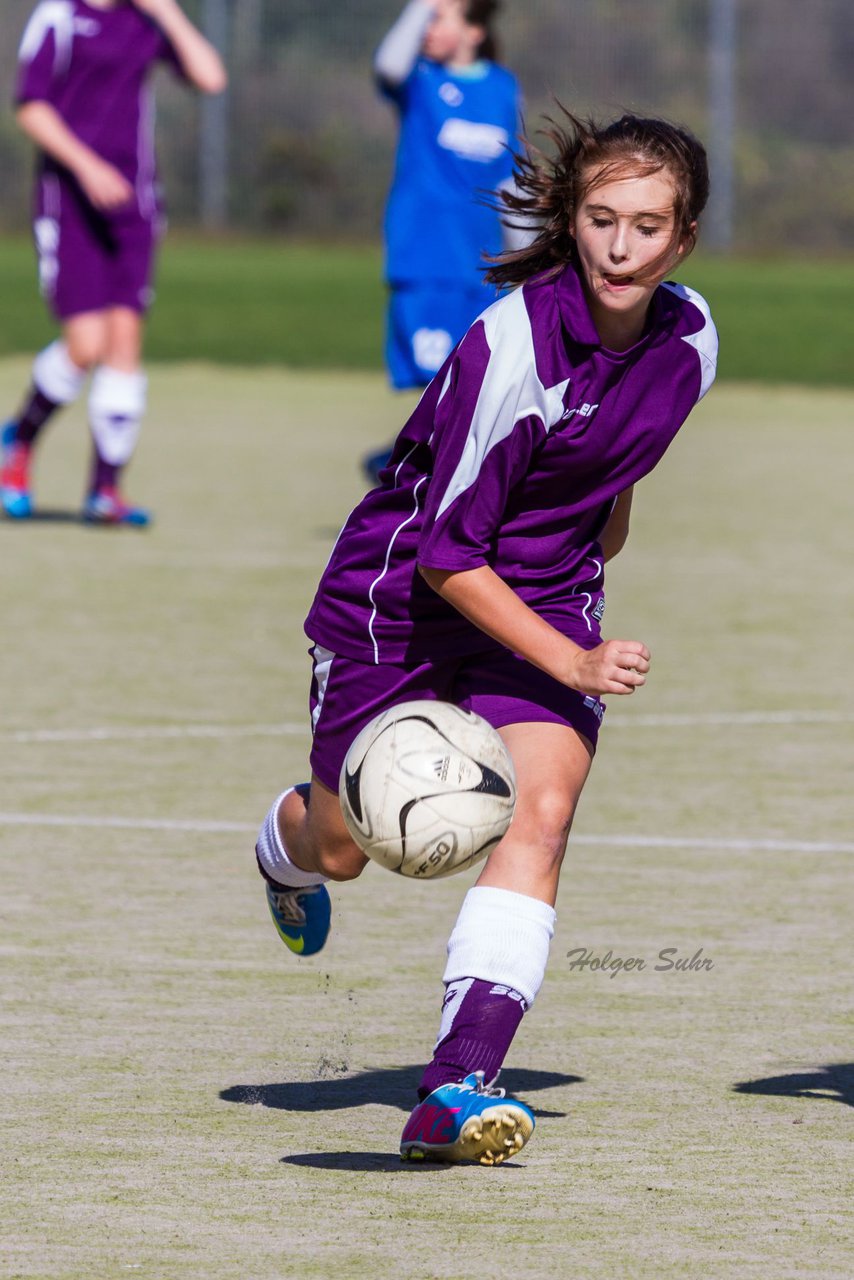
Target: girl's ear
(687,240)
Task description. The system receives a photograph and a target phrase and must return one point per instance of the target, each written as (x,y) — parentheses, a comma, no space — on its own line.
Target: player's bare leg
(315,835)
(552,762)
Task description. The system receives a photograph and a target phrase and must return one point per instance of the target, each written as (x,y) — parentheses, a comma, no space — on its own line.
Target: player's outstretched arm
(398,51)
(613,667)
(102,182)
(199,60)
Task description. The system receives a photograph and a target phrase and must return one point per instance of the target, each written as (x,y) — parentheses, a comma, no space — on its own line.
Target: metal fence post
(213,127)
(720,219)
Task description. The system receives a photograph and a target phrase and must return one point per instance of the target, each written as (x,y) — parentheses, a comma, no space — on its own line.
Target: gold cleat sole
(490,1138)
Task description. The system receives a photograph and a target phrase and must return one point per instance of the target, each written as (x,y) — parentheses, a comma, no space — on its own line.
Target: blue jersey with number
(457,133)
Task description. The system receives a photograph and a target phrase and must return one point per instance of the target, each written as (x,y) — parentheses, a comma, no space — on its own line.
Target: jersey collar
(576,318)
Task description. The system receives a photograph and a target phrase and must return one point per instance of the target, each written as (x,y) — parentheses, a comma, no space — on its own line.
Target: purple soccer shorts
(346,695)
(89,262)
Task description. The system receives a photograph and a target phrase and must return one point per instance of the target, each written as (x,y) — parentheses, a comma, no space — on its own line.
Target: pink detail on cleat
(429,1123)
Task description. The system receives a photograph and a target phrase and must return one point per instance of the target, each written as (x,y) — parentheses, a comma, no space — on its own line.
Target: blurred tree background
(308,144)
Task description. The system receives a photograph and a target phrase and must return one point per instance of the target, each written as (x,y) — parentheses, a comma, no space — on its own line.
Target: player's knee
(86,349)
(543,822)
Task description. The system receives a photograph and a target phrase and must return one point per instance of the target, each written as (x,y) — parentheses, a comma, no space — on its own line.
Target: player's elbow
(26,113)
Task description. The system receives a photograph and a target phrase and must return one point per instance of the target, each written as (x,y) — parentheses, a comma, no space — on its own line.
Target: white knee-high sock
(501,937)
(273,856)
(116,405)
(497,958)
(56,375)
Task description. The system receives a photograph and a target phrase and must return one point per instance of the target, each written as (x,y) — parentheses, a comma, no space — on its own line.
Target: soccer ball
(427,789)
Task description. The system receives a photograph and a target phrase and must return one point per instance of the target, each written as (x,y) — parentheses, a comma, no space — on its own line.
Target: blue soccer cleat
(105,506)
(467,1121)
(15,496)
(301,916)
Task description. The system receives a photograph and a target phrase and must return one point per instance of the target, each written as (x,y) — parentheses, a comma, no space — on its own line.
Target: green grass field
(183,1098)
(321,306)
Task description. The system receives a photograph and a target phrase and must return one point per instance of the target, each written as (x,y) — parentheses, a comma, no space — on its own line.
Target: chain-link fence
(303,144)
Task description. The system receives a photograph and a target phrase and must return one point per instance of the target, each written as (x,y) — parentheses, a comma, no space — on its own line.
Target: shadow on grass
(833,1082)
(373,1162)
(393,1087)
(50,515)
(47,515)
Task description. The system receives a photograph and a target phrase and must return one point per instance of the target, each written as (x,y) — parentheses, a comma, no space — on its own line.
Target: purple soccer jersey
(513,458)
(92,65)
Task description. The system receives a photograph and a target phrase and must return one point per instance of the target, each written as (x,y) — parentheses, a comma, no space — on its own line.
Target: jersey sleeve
(398,52)
(489,422)
(399,92)
(44,54)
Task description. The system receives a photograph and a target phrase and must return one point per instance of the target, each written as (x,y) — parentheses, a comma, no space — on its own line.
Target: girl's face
(624,231)
(449,37)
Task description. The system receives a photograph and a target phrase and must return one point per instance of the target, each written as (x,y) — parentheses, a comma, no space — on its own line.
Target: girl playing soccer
(459,118)
(83,98)
(474,574)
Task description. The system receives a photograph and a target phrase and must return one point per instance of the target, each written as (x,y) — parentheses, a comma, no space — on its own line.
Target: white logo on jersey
(472,141)
(450,94)
(585,411)
(431,347)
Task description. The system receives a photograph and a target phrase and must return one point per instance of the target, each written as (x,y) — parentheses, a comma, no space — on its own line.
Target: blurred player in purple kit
(475,573)
(83,98)
(460,115)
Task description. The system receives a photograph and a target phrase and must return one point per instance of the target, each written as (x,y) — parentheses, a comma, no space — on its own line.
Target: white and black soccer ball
(427,789)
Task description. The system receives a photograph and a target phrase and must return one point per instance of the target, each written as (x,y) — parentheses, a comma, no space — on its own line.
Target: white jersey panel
(705,342)
(511,390)
(51,15)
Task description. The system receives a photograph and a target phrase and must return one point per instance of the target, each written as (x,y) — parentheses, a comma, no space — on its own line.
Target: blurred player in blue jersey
(460,114)
(83,97)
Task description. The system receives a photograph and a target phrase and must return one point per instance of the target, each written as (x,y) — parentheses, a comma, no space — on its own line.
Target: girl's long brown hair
(481,13)
(550,188)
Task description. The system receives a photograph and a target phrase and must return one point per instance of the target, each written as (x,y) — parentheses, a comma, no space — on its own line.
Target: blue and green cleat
(301,916)
(470,1121)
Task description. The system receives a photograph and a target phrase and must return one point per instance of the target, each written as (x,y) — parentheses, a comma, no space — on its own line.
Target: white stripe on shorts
(322,659)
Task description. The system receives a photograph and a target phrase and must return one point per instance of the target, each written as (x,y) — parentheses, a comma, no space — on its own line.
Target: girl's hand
(104,186)
(615,666)
(198,59)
